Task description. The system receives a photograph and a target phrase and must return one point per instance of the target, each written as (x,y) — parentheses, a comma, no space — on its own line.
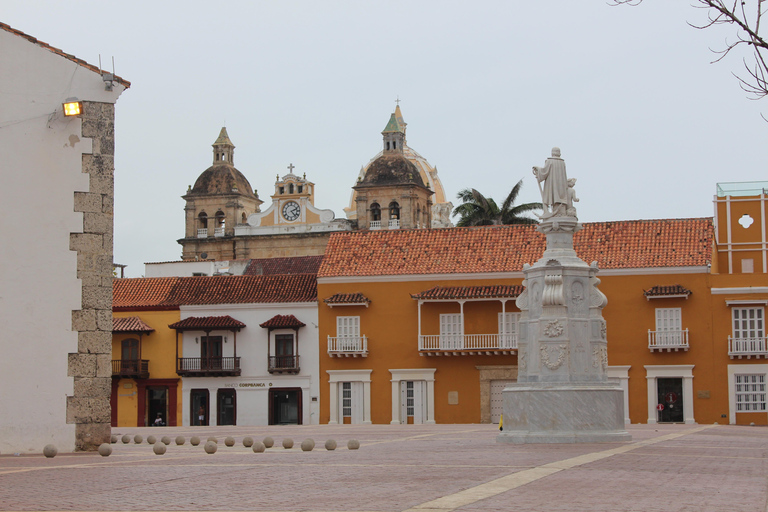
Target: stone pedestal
(562,394)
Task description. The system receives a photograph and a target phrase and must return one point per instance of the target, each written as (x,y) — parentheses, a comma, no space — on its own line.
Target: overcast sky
(645,122)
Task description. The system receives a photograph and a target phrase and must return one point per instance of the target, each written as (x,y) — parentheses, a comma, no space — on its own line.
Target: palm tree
(477,210)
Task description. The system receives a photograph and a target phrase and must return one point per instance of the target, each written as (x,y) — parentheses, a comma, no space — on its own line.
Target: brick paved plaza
(403,468)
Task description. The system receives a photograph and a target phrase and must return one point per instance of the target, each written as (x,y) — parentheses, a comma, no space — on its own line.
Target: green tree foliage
(478,210)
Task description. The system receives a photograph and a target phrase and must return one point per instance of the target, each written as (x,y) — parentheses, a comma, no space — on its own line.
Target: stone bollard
(151,439)
(194,441)
(180,440)
(268,442)
(258,447)
(159,448)
(126,439)
(330,444)
(287,443)
(213,439)
(113,439)
(353,444)
(137,439)
(166,440)
(105,449)
(211,447)
(247,441)
(50,451)
(229,441)
(307,445)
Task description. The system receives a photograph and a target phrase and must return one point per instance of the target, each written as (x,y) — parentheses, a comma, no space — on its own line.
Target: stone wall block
(97,223)
(93,387)
(88,437)
(97,297)
(104,368)
(88,410)
(83,320)
(94,342)
(104,318)
(88,202)
(89,278)
(101,184)
(108,242)
(107,204)
(82,365)
(86,242)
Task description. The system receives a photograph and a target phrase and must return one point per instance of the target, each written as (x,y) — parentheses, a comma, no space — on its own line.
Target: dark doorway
(210,352)
(671,398)
(226,404)
(199,400)
(157,406)
(285,406)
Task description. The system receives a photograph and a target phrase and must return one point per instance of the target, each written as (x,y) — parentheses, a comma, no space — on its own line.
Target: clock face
(291,210)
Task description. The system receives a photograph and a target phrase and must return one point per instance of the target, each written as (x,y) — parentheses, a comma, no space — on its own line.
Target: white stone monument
(562,393)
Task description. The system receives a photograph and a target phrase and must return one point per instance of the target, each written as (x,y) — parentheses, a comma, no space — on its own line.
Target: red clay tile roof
(614,245)
(470,292)
(130,324)
(283,321)
(664,291)
(67,56)
(347,298)
(292,265)
(157,293)
(202,323)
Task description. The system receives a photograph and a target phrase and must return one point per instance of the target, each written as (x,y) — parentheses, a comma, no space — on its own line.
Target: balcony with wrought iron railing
(467,344)
(208,366)
(284,364)
(747,347)
(348,346)
(130,368)
(202,233)
(668,340)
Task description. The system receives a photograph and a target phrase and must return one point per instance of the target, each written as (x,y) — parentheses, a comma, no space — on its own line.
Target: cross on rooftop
(290,168)
(397,101)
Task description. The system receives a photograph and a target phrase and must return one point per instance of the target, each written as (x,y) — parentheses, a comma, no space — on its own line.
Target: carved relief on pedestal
(553,290)
(603,329)
(546,358)
(522,362)
(577,294)
(600,357)
(554,329)
(522,300)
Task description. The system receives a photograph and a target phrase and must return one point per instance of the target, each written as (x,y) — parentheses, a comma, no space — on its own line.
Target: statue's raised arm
(554,193)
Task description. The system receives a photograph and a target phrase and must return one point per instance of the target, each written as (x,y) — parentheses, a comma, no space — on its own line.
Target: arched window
(375,211)
(219,219)
(245,218)
(394,210)
(290,188)
(203,218)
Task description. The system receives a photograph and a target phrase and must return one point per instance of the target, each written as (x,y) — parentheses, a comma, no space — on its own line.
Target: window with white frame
(669,326)
(346,399)
(748,323)
(508,329)
(750,392)
(348,332)
(451,331)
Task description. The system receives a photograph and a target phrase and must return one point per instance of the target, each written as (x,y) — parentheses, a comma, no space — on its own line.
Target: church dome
(222,179)
(392,169)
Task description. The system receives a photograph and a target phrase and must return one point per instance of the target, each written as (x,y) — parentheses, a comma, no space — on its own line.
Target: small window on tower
(301,189)
(290,188)
(282,190)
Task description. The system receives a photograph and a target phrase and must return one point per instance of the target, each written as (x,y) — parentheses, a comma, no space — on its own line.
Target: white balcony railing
(668,340)
(375,224)
(747,347)
(394,223)
(468,342)
(218,232)
(202,233)
(348,346)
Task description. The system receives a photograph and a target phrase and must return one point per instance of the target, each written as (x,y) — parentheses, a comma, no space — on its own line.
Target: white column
(334,403)
(367,402)
(395,402)
(430,402)
(652,399)
(688,400)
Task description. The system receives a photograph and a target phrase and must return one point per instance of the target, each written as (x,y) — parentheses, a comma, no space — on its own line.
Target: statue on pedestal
(557,195)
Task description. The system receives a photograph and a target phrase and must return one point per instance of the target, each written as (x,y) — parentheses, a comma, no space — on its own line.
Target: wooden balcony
(747,347)
(130,368)
(668,340)
(208,366)
(284,364)
(467,344)
(348,346)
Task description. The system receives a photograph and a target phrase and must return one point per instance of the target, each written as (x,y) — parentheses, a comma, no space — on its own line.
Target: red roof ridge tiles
(130,324)
(202,323)
(59,52)
(470,292)
(158,293)
(614,245)
(282,322)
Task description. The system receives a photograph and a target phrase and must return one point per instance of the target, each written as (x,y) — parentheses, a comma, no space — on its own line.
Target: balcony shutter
(668,319)
(348,326)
